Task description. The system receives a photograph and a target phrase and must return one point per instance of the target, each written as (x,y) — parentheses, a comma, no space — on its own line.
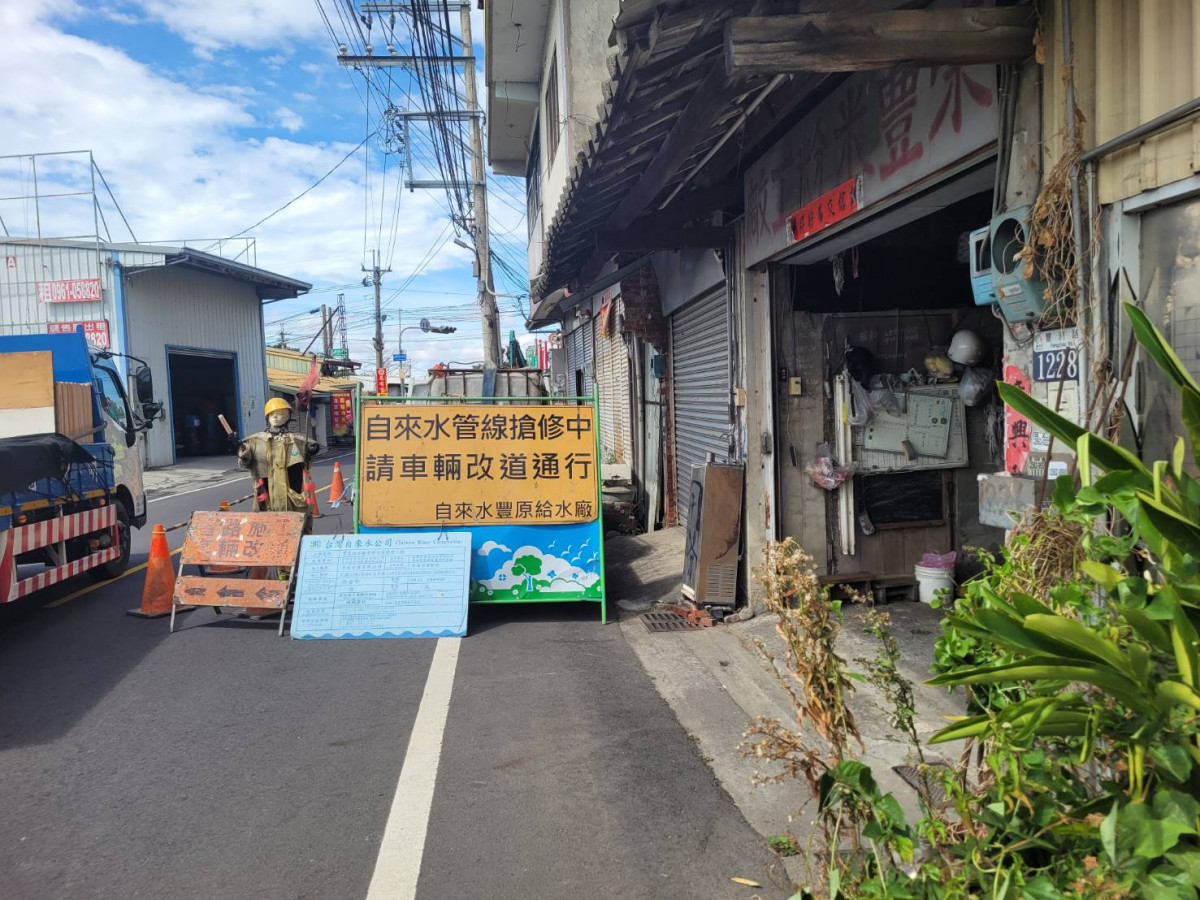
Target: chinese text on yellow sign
(458,464)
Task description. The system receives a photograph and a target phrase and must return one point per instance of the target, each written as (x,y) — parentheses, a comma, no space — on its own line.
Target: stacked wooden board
(26,393)
(32,402)
(73,410)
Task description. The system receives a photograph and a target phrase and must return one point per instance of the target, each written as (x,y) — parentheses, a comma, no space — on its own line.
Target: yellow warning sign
(476,464)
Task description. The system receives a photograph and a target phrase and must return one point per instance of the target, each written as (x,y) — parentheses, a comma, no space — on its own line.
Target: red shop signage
(342,410)
(95,330)
(832,206)
(381,382)
(74,290)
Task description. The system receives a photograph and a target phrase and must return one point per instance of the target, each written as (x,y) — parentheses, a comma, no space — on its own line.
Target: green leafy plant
(784,844)
(1084,680)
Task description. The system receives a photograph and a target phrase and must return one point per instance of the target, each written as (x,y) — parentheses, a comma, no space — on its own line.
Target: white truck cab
(121,427)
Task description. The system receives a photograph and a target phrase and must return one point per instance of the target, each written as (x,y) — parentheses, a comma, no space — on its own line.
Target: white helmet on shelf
(966,348)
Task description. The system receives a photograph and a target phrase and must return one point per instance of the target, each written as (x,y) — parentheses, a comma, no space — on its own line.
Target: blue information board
(382,585)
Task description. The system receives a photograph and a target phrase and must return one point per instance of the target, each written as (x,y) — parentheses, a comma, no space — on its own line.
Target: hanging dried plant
(1049,253)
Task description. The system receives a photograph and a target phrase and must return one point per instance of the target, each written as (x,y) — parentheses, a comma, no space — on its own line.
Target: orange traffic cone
(310,492)
(160,580)
(337,487)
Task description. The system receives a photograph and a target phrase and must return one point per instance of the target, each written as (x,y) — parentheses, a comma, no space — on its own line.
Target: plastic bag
(862,409)
(886,397)
(824,470)
(939,560)
(975,385)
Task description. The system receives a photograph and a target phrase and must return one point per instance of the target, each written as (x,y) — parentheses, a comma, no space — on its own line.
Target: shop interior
(885,403)
(202,388)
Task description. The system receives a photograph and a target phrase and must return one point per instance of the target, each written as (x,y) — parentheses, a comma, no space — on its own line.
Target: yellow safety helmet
(275,404)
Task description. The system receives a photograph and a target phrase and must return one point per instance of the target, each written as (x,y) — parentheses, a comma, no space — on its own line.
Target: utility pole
(489,313)
(376,279)
(326,332)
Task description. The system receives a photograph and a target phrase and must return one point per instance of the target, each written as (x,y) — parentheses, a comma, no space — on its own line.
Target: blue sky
(207,115)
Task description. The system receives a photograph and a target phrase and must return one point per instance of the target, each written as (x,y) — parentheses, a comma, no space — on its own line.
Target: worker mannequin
(279,458)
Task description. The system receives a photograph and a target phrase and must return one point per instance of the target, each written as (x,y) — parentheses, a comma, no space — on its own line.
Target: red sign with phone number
(95,330)
(832,206)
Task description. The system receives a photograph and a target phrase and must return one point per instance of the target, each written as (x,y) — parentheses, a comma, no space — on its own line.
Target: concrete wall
(800,427)
(554,171)
(683,275)
(577,41)
(753,301)
(587,27)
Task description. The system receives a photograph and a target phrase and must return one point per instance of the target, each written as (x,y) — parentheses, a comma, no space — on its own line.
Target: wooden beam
(773,119)
(708,100)
(699,47)
(835,42)
(686,207)
(695,203)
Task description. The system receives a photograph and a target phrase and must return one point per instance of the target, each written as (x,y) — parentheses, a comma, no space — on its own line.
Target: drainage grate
(667,621)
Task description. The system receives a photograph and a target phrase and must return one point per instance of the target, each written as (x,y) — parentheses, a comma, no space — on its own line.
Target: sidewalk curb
(715,722)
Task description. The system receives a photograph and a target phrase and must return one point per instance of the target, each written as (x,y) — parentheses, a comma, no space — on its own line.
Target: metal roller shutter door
(612,379)
(701,388)
(579,356)
(623,417)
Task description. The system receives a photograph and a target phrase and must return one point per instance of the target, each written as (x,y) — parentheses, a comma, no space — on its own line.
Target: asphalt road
(226,762)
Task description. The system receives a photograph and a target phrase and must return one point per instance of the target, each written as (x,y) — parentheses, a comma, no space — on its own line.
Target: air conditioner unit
(979,247)
(710,563)
(1021,299)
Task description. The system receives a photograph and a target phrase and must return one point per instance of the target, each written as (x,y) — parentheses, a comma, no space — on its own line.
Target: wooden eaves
(682,74)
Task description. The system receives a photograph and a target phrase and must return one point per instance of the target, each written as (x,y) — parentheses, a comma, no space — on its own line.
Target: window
(112,398)
(551,107)
(533,182)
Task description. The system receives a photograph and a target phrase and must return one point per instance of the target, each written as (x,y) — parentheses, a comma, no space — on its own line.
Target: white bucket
(931,582)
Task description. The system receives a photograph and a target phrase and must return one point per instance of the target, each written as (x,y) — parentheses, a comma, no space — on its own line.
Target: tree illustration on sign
(529,566)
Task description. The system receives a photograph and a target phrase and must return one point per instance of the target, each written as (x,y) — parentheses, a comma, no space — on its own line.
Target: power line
(272,215)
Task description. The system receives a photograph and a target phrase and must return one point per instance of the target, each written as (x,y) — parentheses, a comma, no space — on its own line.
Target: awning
(289,382)
(558,301)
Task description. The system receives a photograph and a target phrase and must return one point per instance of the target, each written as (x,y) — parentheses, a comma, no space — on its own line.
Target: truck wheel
(115,567)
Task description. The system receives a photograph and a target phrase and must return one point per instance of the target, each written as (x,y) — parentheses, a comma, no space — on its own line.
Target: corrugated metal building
(195,318)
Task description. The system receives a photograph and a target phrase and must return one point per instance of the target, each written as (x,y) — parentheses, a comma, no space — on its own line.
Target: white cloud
(303,97)
(119,16)
(289,119)
(490,546)
(212,156)
(215,24)
(177,158)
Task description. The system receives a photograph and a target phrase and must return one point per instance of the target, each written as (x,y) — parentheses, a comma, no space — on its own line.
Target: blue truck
(68,502)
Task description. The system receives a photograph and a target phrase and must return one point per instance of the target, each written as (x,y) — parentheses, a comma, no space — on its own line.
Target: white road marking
(241,477)
(207,487)
(398,865)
